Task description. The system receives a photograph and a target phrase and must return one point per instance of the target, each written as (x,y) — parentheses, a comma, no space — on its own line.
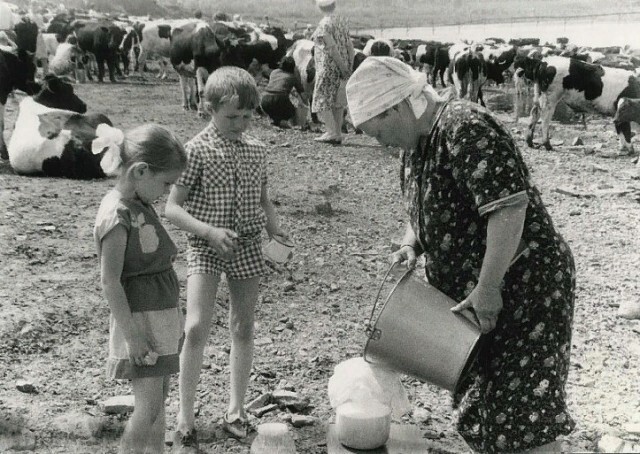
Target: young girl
(136,255)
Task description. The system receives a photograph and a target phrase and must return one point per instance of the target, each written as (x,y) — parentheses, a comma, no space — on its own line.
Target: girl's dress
(150,284)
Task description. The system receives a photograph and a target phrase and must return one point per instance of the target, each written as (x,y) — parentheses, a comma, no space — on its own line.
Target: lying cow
(17,71)
(52,138)
(582,86)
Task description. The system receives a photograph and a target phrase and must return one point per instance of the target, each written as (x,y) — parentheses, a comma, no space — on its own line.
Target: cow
(155,41)
(435,57)
(50,43)
(582,86)
(129,48)
(627,111)
(468,72)
(302,53)
(17,71)
(26,35)
(257,50)
(101,39)
(67,60)
(498,59)
(378,47)
(53,138)
(195,53)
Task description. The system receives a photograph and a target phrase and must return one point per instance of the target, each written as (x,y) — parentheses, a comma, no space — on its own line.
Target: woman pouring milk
(489,243)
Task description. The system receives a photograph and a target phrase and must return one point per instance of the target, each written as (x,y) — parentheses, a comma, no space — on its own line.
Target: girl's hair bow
(111,139)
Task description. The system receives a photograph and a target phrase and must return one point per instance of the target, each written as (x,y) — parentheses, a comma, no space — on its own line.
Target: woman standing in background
(333,55)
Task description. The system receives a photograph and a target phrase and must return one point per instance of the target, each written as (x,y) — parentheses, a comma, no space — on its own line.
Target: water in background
(589,32)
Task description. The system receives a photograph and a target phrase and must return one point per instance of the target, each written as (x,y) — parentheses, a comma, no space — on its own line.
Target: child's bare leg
(201,295)
(149,401)
(155,442)
(244,295)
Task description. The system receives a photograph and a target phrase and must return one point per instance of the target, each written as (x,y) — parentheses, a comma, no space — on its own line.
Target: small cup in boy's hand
(280,249)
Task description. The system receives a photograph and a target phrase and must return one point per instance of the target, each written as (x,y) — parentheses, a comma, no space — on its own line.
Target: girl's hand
(223,241)
(486,302)
(138,348)
(406,254)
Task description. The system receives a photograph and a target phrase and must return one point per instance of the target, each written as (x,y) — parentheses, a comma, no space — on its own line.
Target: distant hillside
(368,13)
(409,13)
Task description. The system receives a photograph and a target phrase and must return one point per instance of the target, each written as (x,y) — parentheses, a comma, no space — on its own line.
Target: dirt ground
(311,316)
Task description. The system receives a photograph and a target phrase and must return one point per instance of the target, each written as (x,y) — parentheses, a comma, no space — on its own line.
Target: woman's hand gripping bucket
(417,334)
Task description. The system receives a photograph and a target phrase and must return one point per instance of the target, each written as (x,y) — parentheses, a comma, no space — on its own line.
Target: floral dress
(467,168)
(327,82)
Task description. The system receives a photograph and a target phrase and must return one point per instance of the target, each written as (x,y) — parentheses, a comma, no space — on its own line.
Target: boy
(221,200)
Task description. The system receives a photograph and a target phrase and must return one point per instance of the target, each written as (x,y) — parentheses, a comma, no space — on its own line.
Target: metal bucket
(417,334)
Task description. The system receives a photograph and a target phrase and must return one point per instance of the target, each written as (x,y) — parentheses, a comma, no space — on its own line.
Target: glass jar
(273,438)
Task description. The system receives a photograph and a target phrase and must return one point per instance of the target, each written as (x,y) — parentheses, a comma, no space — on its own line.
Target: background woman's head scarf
(382,82)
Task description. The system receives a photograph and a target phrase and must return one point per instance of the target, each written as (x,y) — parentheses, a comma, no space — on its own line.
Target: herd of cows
(604,80)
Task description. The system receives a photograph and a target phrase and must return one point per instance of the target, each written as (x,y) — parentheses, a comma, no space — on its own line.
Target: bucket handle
(375,334)
(371,332)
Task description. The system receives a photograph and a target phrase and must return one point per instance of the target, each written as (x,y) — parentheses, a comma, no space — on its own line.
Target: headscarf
(382,82)
(324,3)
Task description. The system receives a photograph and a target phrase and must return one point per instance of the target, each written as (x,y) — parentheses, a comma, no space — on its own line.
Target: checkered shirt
(225,179)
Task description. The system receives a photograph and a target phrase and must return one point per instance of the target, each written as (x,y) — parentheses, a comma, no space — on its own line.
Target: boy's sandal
(238,428)
(186,443)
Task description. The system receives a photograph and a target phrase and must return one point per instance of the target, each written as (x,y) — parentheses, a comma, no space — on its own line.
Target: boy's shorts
(249,262)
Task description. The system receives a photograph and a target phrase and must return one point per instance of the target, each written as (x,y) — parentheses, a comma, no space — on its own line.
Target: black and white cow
(628,111)
(435,58)
(17,71)
(498,60)
(53,138)
(130,46)
(582,86)
(101,39)
(378,47)
(196,52)
(155,42)
(467,72)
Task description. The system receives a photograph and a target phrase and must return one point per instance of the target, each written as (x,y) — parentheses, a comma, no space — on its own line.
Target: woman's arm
(221,240)
(409,249)
(504,231)
(111,266)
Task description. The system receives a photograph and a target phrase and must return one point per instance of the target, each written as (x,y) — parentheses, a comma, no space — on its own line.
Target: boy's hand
(223,241)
